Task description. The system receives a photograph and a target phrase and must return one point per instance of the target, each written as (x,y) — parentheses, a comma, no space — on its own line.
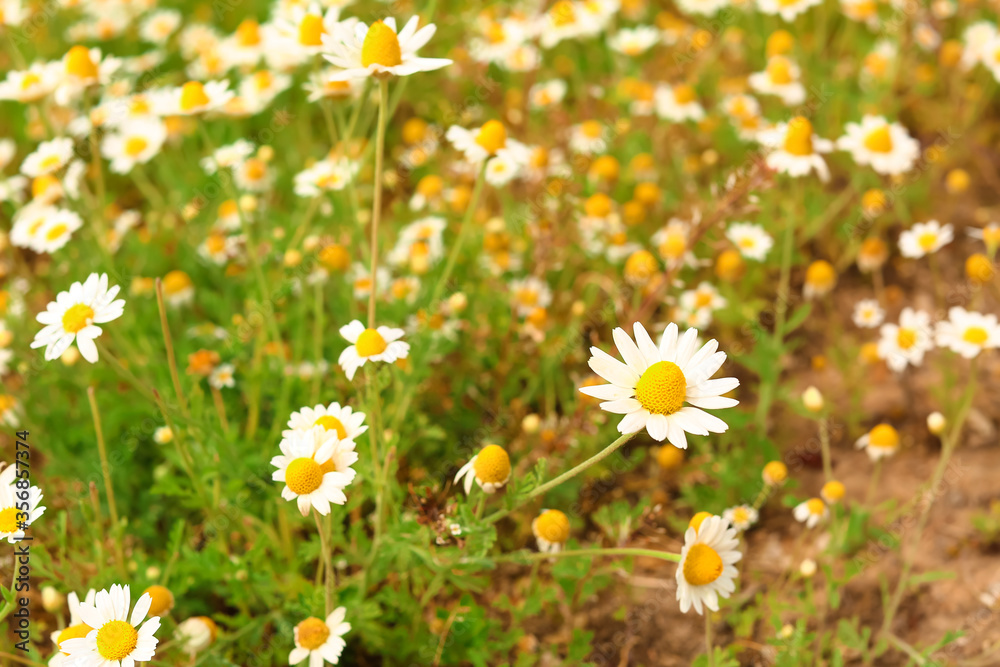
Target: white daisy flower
(223,377)
(887,147)
(678,103)
(75,314)
(490,469)
(968,333)
(551,529)
(780,78)
(906,343)
(347,423)
(741,517)
(653,384)
(228,156)
(530,293)
(750,239)
(811,512)
(29,85)
(193,98)
(134,142)
(705,295)
(702,7)
(81,68)
(868,314)
(115,639)
(546,93)
(15,516)
(564,20)
(880,442)
(324,176)
(500,38)
(195,634)
(977,39)
(673,244)
(57,231)
(923,238)
(49,157)
(315,466)
(381,344)
(588,138)
(320,640)
(158,26)
(795,150)
(634,41)
(378,50)
(75,630)
(787,9)
(487,141)
(707,568)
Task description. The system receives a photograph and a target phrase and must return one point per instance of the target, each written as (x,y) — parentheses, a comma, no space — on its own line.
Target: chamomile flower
(968,333)
(887,147)
(49,157)
(381,344)
(499,38)
(811,512)
(75,314)
(223,377)
(81,68)
(490,469)
(547,93)
(786,9)
(530,293)
(253,175)
(564,20)
(925,238)
(320,640)
(795,150)
(378,50)
(29,85)
(588,138)
(678,103)
(28,224)
(193,98)
(227,156)
(833,492)
(673,244)
(75,630)
(707,568)
(57,231)
(347,423)
(634,41)
(820,279)
(489,140)
(705,295)
(868,314)
(751,240)
(551,529)
(905,344)
(880,442)
(741,517)
(158,26)
(653,384)
(780,78)
(115,639)
(315,466)
(178,288)
(134,142)
(16,513)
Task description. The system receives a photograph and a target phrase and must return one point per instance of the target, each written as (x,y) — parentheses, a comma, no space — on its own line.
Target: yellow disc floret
(193,96)
(552,526)
(303,476)
(662,388)
(331,423)
(879,141)
(370,343)
(884,436)
(798,139)
(816,506)
(833,491)
(162,600)
(80,64)
(9,520)
(77,631)
(702,566)
(116,640)
(492,465)
(311,30)
(775,472)
(492,136)
(311,633)
(381,46)
(976,335)
(698,519)
(77,317)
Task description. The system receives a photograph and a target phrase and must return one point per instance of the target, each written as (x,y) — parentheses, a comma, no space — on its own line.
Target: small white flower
(677,103)
(381,344)
(906,343)
(924,238)
(222,377)
(742,517)
(134,142)
(887,147)
(787,9)
(968,333)
(75,314)
(795,150)
(868,314)
(634,41)
(781,78)
(490,468)
(811,512)
(750,239)
(320,640)
(49,157)
(16,512)
(880,442)
(707,569)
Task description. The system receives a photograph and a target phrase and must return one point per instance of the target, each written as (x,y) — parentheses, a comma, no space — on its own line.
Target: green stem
(324,548)
(569,474)
(383,104)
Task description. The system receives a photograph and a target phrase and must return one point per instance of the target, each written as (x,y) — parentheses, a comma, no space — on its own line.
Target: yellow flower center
(492,465)
(30,79)
(552,526)
(176,282)
(370,343)
(815,506)
(56,231)
(598,205)
(495,33)
(162,600)
(79,63)
(702,566)
(775,472)
(798,138)
(883,436)
(698,518)
(591,129)
(381,46)
(193,96)
(879,141)
(906,338)
(820,274)
(640,265)
(255,169)
(684,94)
(248,33)
(975,335)
(77,631)
(662,388)
(740,515)
(8,519)
(263,79)
(77,317)
(562,13)
(779,71)
(927,240)
(50,162)
(311,30)
(492,136)
(780,41)
(303,476)
(833,490)
(135,145)
(331,423)
(116,640)
(312,633)
(674,246)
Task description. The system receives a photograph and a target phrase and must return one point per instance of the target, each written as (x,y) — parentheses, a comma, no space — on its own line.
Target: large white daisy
(75,314)
(379,50)
(116,639)
(653,384)
(707,568)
